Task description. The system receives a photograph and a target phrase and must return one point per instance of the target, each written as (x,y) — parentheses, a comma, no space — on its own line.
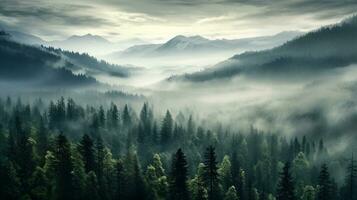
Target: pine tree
(39,185)
(25,160)
(101,116)
(79,175)
(211,173)
(120,181)
(126,117)
(225,173)
(99,169)
(197,185)
(87,151)
(351,181)
(63,169)
(91,188)
(238,177)
(113,117)
(139,190)
(231,194)
(166,128)
(42,140)
(178,180)
(324,190)
(285,190)
(308,193)
(9,182)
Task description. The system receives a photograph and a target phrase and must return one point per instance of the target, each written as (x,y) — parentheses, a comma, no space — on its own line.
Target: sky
(159,20)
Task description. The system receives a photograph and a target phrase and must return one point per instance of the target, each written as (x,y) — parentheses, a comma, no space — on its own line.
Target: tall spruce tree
(166,128)
(324,189)
(63,169)
(351,181)
(211,173)
(285,190)
(178,179)
(87,152)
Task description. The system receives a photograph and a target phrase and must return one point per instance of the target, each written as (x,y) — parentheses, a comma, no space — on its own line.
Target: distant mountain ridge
(88,43)
(28,66)
(328,47)
(180,44)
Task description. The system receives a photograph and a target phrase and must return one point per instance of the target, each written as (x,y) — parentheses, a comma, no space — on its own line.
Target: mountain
(92,44)
(29,66)
(89,65)
(326,48)
(196,48)
(25,38)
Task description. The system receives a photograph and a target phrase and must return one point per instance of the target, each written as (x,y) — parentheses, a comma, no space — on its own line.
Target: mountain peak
(88,36)
(195,38)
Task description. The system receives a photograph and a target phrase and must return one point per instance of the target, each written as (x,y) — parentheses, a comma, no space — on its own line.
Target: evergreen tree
(231,194)
(91,188)
(178,180)
(308,193)
(166,128)
(25,160)
(39,185)
(42,140)
(139,190)
(101,116)
(351,181)
(211,173)
(197,185)
(225,173)
(285,190)
(9,182)
(120,181)
(99,169)
(79,175)
(324,189)
(63,169)
(87,152)
(126,117)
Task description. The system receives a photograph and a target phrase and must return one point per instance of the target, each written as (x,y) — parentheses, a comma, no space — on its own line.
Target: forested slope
(62,150)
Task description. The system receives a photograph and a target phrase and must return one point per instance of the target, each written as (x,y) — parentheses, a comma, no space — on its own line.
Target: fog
(320,106)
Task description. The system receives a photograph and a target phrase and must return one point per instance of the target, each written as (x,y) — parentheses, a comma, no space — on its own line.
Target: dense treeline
(329,47)
(32,66)
(64,150)
(90,63)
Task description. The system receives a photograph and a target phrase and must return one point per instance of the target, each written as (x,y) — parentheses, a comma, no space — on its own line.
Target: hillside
(90,65)
(329,47)
(28,66)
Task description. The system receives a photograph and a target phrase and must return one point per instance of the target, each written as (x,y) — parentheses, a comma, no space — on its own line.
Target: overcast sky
(157,20)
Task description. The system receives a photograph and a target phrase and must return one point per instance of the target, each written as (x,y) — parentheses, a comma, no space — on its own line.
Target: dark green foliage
(9,183)
(325,185)
(34,66)
(211,173)
(64,167)
(285,190)
(91,188)
(120,181)
(178,179)
(166,128)
(86,148)
(38,163)
(349,190)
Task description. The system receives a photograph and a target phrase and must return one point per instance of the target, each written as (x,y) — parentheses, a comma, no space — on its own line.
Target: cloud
(166,18)
(216,19)
(68,14)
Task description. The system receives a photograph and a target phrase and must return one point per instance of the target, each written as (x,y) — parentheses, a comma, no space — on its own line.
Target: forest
(63,149)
